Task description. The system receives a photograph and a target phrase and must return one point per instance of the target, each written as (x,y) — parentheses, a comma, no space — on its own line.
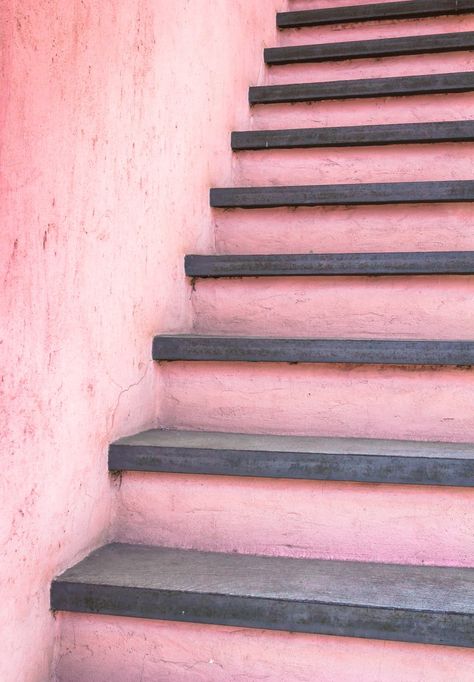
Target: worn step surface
(343,194)
(297,457)
(378,601)
(260,349)
(406,9)
(354,136)
(397,86)
(361,49)
(331,264)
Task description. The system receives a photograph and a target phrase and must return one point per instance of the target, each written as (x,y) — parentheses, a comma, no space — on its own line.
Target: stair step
(194,347)
(363,49)
(297,457)
(398,86)
(407,9)
(323,264)
(354,136)
(423,604)
(343,194)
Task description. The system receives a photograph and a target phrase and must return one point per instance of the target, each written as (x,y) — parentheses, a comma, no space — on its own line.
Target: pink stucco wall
(115,116)
(115,123)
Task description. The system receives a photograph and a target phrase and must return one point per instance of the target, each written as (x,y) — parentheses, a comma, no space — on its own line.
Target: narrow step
(379,11)
(363,49)
(354,136)
(325,264)
(399,86)
(426,604)
(343,194)
(297,457)
(193,347)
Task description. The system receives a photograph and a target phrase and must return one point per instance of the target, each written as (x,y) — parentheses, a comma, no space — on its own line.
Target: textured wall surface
(113,128)
(134,650)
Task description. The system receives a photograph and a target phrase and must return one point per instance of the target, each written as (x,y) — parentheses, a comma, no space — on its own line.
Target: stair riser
(414,307)
(393,28)
(399,163)
(339,229)
(417,65)
(328,520)
(339,400)
(364,112)
(125,648)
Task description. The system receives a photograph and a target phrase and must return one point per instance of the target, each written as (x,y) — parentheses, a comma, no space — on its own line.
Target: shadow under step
(193,347)
(363,49)
(343,194)
(354,136)
(432,84)
(295,457)
(379,11)
(332,264)
(425,604)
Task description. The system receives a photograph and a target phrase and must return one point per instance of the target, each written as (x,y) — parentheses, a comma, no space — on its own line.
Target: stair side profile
(301,508)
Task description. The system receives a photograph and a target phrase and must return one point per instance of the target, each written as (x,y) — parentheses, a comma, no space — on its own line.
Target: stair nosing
(354,136)
(231,348)
(343,194)
(297,458)
(366,49)
(423,604)
(363,88)
(331,264)
(412,9)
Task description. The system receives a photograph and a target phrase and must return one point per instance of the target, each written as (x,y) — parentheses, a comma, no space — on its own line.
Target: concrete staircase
(305,512)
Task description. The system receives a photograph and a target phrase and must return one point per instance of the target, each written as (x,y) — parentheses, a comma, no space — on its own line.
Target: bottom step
(425,604)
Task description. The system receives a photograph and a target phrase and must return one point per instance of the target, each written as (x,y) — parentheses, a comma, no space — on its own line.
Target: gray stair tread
(351,136)
(408,263)
(195,347)
(343,194)
(382,47)
(378,601)
(405,9)
(394,86)
(366,584)
(215,440)
(295,457)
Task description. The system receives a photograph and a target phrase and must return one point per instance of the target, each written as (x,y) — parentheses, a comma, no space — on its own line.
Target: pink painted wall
(115,121)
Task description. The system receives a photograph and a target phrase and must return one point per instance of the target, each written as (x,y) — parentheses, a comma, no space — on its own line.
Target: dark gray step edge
(303,350)
(399,86)
(332,264)
(343,194)
(411,9)
(364,468)
(286,613)
(354,136)
(363,49)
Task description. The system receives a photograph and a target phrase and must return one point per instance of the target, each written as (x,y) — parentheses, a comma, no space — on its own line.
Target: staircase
(305,512)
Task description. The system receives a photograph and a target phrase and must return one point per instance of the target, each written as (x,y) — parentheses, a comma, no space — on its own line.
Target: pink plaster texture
(387,307)
(104,649)
(326,520)
(114,120)
(415,403)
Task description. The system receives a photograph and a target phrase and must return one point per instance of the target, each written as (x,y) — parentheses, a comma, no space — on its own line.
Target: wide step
(331,264)
(296,457)
(363,49)
(343,194)
(407,9)
(354,136)
(193,347)
(353,599)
